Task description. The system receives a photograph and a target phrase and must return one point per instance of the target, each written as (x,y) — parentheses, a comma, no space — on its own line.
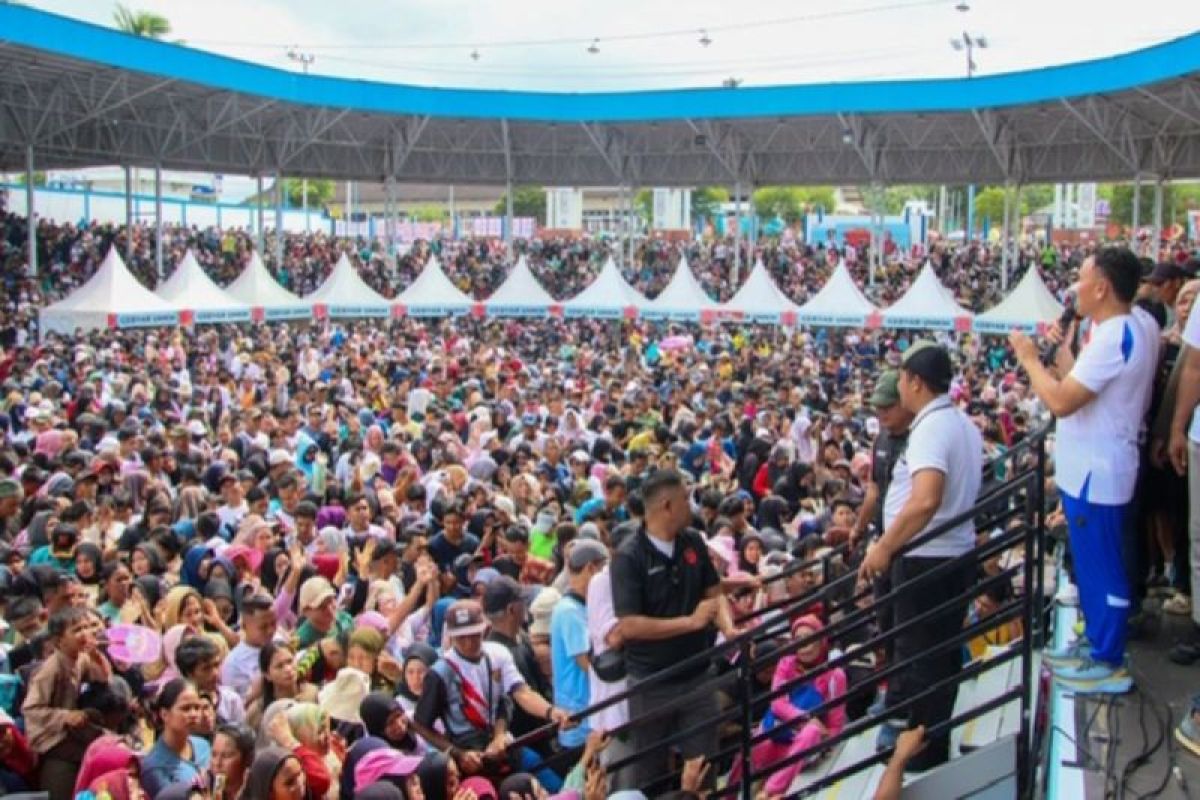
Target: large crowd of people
(405,559)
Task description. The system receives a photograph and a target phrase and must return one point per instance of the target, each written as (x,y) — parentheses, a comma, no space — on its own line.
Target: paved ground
(1136,722)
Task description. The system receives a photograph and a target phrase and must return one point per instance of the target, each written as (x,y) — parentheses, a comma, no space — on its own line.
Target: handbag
(609,666)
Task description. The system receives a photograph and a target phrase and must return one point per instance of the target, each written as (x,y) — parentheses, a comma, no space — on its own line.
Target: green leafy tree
(707,200)
(823,196)
(1037,196)
(320,192)
(989,203)
(39,179)
(141,23)
(643,204)
(528,201)
(432,213)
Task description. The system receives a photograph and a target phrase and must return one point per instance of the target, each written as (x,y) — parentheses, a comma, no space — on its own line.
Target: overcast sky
(543,44)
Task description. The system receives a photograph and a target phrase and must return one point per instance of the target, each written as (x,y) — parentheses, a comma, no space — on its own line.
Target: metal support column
(128,215)
(737,232)
(1158,219)
(31,212)
(453,215)
(508,217)
(1004,240)
(970,231)
(258,222)
(1137,206)
(629,225)
(278,221)
(943,228)
(158,223)
(304,202)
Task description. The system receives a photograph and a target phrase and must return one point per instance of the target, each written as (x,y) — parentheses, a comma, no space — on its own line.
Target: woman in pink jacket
(786,740)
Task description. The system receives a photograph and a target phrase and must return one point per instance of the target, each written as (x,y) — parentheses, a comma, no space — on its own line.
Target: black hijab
(432,774)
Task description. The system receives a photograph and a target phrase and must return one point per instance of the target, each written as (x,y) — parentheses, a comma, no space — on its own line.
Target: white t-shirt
(1097,447)
(602,619)
(1191,337)
(942,438)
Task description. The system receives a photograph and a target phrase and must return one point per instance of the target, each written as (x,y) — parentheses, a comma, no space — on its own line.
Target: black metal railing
(1015,505)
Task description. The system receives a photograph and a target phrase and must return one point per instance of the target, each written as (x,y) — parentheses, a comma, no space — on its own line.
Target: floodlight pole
(508,216)
(30,211)
(158,222)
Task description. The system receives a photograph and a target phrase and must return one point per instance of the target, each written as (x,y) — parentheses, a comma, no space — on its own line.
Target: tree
(1037,196)
(643,204)
(141,23)
(528,201)
(706,201)
(39,179)
(989,204)
(320,192)
(430,213)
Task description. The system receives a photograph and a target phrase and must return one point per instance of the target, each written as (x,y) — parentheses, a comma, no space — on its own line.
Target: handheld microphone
(1068,316)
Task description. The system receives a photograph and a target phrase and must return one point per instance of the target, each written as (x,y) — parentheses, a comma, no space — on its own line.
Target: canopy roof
(111,298)
(760,299)
(258,289)
(345,294)
(520,295)
(609,296)
(682,299)
(81,94)
(1029,306)
(433,293)
(839,303)
(189,287)
(927,304)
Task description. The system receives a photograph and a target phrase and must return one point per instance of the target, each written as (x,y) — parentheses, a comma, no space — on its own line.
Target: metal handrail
(1029,483)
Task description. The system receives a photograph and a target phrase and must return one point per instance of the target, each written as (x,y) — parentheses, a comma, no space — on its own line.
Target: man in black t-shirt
(666,595)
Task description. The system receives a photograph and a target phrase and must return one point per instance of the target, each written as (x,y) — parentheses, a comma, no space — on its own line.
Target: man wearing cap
(1165,280)
(322,617)
(1100,400)
(505,603)
(469,690)
(889,443)
(569,642)
(935,479)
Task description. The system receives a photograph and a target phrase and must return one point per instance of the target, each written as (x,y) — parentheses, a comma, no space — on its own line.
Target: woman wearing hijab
(356,754)
(197,563)
(418,658)
(439,776)
(276,774)
(384,718)
(89,565)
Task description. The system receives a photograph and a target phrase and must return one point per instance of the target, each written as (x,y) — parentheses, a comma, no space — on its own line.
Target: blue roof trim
(68,37)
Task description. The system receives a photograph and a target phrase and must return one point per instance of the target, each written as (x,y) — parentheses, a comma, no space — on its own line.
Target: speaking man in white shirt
(1100,401)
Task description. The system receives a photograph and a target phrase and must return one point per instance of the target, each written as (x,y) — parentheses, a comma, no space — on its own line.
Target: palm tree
(141,23)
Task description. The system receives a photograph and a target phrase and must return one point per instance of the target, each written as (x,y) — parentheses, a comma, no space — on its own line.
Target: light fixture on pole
(731,83)
(594,47)
(305,59)
(970,44)
(963,6)
(705,40)
(847,137)
(475,54)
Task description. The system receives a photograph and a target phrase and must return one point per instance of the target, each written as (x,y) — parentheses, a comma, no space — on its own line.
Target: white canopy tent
(112,298)
(433,294)
(839,304)
(267,299)
(189,287)
(760,300)
(1028,307)
(520,295)
(608,297)
(927,305)
(683,299)
(345,294)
